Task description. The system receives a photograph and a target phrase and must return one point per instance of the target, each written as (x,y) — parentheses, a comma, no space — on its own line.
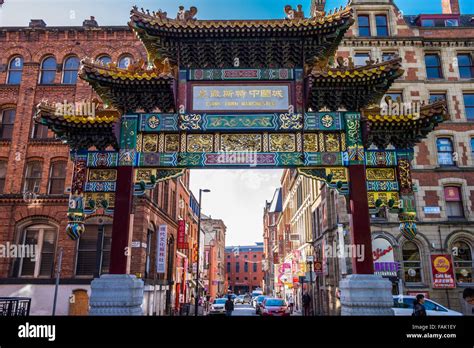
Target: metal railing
(15,306)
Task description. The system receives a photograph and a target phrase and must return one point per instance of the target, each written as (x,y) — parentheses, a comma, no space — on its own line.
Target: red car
(274,307)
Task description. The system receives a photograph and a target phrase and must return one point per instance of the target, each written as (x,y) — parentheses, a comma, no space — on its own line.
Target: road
(244,310)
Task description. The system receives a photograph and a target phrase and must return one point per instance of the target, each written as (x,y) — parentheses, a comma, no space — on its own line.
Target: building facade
(40,62)
(437,55)
(214,256)
(244,267)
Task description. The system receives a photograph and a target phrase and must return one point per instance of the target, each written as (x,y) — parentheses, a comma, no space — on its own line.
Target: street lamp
(198,247)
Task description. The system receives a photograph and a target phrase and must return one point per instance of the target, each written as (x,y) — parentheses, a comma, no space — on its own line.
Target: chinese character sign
(181,235)
(161,249)
(241,98)
(442,270)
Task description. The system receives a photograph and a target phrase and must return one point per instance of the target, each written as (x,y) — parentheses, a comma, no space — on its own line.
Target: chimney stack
(450,6)
(37,23)
(90,23)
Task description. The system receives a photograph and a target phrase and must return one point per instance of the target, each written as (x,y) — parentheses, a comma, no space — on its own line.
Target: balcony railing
(15,306)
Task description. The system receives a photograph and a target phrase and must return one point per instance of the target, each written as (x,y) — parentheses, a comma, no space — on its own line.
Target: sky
(237,196)
(116,12)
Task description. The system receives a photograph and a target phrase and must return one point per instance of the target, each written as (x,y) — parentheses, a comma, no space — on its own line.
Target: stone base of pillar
(116,294)
(366,294)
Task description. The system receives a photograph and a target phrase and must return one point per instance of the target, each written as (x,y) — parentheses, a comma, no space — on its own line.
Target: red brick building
(40,62)
(244,267)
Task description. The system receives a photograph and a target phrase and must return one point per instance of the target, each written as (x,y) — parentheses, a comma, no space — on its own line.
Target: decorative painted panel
(239,74)
(378,199)
(241,142)
(102,175)
(104,186)
(380,174)
(199,142)
(380,158)
(150,142)
(102,159)
(311,142)
(171,143)
(282,142)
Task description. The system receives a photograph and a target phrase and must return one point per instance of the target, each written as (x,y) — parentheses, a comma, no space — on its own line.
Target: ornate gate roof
(276,43)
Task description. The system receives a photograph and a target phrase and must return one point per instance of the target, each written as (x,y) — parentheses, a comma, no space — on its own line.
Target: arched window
(41,241)
(411,263)
(71,67)
(48,71)
(15,70)
(33,176)
(125,61)
(104,59)
(7,120)
(463,265)
(149,238)
(3,174)
(57,178)
(93,252)
(445,152)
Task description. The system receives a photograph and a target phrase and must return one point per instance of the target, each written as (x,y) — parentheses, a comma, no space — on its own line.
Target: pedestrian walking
(468,296)
(306,303)
(419,309)
(291,301)
(229,306)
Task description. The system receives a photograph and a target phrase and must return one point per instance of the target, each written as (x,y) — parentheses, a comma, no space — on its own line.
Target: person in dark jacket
(306,304)
(419,309)
(229,306)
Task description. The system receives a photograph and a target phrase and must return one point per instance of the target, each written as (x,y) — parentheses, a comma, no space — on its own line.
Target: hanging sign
(161,249)
(182,244)
(384,259)
(442,271)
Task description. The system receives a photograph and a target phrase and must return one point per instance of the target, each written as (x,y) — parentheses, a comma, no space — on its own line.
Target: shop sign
(442,271)
(161,249)
(182,244)
(384,259)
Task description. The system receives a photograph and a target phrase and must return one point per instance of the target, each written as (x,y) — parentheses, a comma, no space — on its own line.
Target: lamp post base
(366,294)
(116,294)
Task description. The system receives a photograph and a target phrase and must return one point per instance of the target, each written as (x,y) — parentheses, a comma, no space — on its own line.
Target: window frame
(102,233)
(366,53)
(453,162)
(359,16)
(51,178)
(69,70)
(10,70)
(44,70)
(460,202)
(455,263)
(40,230)
(104,56)
(470,106)
(470,66)
(386,27)
(418,267)
(3,179)
(438,67)
(122,57)
(28,177)
(3,125)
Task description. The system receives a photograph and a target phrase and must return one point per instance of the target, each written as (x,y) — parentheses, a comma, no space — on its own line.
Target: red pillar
(360,219)
(121,222)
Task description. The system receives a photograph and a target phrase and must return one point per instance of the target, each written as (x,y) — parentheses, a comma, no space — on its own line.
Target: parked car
(218,306)
(274,307)
(242,299)
(258,303)
(403,305)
